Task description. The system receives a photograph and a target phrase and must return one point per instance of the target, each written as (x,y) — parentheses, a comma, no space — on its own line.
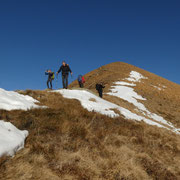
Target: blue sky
(39,34)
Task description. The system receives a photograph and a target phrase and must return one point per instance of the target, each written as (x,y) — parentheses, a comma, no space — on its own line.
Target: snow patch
(128,94)
(124,83)
(135,77)
(102,106)
(85,97)
(11,139)
(157,88)
(10,100)
(161,87)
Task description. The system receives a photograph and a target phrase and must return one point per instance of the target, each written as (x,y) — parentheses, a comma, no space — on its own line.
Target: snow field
(10,100)
(102,106)
(11,139)
(128,94)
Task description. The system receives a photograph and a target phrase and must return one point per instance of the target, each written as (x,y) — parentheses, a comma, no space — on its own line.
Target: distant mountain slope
(162,96)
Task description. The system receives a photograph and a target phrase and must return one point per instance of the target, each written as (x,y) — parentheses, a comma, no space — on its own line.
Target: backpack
(53,76)
(83,80)
(80,78)
(97,87)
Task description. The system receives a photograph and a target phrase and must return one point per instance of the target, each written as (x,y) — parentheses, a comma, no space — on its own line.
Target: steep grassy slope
(68,142)
(165,102)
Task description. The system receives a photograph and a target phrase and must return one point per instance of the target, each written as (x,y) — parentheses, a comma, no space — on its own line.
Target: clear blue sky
(39,34)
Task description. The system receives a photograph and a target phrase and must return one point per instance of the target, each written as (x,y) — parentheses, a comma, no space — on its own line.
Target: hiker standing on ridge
(65,73)
(81,81)
(99,88)
(50,78)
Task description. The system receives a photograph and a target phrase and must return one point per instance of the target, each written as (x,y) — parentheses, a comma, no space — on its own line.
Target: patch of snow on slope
(161,87)
(124,83)
(157,88)
(102,106)
(99,105)
(10,100)
(135,77)
(128,94)
(11,139)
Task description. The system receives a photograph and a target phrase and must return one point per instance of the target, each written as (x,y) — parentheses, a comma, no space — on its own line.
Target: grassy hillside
(165,103)
(68,142)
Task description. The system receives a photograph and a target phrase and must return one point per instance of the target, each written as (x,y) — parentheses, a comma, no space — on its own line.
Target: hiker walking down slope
(65,69)
(99,88)
(50,78)
(81,81)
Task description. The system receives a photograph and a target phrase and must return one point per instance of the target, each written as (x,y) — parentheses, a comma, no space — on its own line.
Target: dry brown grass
(68,142)
(92,99)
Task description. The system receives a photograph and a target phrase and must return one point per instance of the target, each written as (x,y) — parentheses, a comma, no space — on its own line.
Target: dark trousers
(100,91)
(65,81)
(81,84)
(49,81)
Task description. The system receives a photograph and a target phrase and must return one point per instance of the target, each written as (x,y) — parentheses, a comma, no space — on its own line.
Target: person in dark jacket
(99,88)
(65,69)
(50,78)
